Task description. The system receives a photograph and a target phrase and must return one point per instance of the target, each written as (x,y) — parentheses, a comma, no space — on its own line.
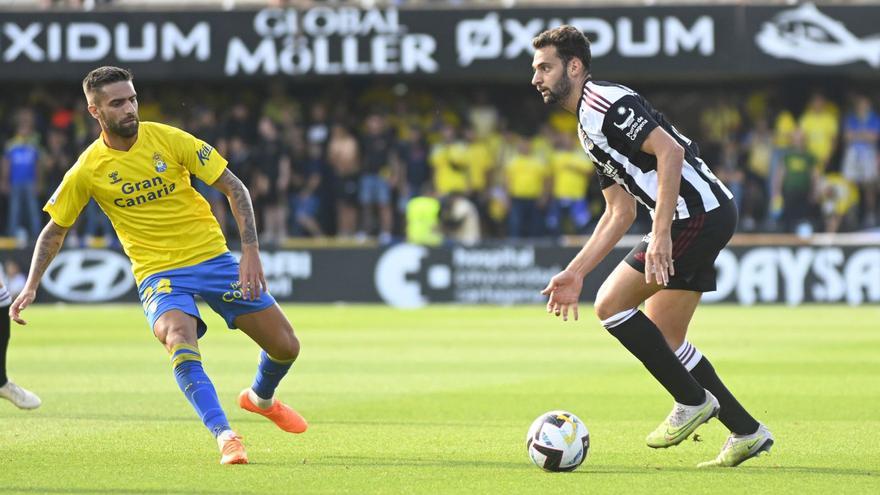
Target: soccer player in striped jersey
(140,173)
(22,398)
(641,158)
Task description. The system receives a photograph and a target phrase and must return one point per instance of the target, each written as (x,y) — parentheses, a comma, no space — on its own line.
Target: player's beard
(561,92)
(126,130)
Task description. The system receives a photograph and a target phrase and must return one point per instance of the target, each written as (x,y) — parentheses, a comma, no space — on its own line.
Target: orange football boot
(280,413)
(231,448)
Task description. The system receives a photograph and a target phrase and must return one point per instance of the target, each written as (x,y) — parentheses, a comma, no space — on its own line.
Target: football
(558,441)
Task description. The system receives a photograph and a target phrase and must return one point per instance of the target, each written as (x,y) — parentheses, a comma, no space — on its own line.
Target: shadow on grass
(122,491)
(118,418)
(586,470)
(368,462)
(253,418)
(750,470)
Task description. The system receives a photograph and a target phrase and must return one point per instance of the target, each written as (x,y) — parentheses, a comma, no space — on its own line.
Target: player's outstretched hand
(24,299)
(658,260)
(564,290)
(250,274)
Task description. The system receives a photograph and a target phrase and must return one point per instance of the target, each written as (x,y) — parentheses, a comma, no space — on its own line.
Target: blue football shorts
(214,280)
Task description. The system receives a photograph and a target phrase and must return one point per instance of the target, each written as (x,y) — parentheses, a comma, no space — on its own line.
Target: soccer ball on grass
(558,441)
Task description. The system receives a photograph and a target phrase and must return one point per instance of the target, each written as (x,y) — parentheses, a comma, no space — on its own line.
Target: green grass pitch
(438,401)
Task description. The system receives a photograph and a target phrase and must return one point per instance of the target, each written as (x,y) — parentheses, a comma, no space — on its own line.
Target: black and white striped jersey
(614,121)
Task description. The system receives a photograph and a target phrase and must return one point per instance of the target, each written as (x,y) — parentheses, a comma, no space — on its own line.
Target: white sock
(224,436)
(259,401)
(689,355)
(750,434)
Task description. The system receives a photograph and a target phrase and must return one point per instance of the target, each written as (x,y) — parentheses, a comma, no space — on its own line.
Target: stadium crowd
(451,164)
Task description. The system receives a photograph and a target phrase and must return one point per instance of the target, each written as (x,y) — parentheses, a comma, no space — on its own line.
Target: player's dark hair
(569,41)
(102,76)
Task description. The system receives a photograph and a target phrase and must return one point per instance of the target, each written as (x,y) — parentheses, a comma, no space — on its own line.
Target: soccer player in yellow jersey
(139,174)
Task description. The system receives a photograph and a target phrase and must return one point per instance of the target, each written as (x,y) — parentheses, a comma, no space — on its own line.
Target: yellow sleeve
(71,196)
(199,157)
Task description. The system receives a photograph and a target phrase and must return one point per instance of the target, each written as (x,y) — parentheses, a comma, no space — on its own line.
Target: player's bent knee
(618,318)
(171,334)
(288,351)
(605,308)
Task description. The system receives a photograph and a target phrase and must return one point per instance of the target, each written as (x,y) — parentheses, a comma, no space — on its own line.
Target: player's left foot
(740,448)
(681,422)
(231,448)
(280,413)
(22,398)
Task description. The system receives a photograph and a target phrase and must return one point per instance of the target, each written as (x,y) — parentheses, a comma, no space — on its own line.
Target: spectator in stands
(318,130)
(461,220)
(240,124)
(412,153)
(571,169)
(819,125)
(838,199)
(18,178)
(528,187)
(758,145)
(482,116)
(378,172)
(239,157)
(795,184)
(860,164)
(305,179)
(729,170)
(272,177)
(480,161)
(423,219)
(343,156)
(720,123)
(57,158)
(204,124)
(447,159)
(784,127)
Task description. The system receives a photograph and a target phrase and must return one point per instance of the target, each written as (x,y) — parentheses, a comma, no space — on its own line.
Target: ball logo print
(85,275)
(807,35)
(558,441)
(628,120)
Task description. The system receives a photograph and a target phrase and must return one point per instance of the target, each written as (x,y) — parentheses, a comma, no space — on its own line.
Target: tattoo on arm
(242,208)
(48,245)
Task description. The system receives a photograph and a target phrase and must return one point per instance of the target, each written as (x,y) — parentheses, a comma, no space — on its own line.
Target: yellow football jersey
(450,168)
(571,170)
(161,220)
(525,176)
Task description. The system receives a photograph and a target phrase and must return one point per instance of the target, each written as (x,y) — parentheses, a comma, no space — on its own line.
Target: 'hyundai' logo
(88,275)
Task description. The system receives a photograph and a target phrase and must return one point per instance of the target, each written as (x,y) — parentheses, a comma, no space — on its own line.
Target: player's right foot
(740,448)
(22,398)
(280,413)
(231,448)
(681,422)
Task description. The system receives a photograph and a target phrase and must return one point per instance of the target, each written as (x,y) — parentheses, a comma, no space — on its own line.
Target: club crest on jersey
(609,171)
(160,165)
(114,177)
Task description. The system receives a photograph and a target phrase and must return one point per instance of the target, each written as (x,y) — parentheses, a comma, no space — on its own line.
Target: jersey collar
(577,111)
(136,144)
